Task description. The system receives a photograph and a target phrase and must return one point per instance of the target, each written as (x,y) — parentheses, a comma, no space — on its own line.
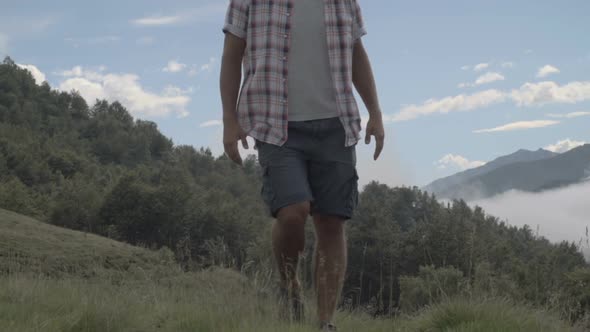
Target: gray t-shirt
(311,92)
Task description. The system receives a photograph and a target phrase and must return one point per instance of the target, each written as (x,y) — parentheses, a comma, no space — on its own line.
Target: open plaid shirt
(265,25)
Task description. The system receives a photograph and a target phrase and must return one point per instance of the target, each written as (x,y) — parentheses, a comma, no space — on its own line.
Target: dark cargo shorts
(313,165)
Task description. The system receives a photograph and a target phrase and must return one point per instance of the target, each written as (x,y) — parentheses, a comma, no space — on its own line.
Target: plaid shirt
(265,25)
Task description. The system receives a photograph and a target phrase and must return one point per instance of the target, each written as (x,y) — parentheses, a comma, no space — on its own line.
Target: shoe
(327,327)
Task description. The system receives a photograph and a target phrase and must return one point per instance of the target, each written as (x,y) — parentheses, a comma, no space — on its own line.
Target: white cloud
(209,12)
(207,67)
(38,75)
(174,67)
(92,41)
(466,68)
(529,94)
(458,161)
(157,20)
(486,78)
(564,145)
(451,104)
(481,66)
(521,125)
(560,215)
(211,123)
(489,78)
(126,89)
(538,94)
(546,71)
(569,115)
(507,64)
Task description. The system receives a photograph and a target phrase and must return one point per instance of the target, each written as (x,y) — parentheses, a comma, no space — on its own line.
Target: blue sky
(460,82)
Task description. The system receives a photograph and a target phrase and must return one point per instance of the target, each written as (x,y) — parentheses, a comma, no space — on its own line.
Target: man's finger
(231,150)
(368,137)
(244,142)
(378,146)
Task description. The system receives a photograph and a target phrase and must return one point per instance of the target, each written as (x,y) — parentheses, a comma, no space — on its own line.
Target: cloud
(38,75)
(481,66)
(157,20)
(564,145)
(126,89)
(486,78)
(209,12)
(521,125)
(92,41)
(559,215)
(466,68)
(529,94)
(174,67)
(569,115)
(451,104)
(207,67)
(507,64)
(211,123)
(538,94)
(546,71)
(489,78)
(458,161)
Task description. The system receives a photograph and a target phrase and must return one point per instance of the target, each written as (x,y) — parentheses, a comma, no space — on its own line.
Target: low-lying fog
(559,215)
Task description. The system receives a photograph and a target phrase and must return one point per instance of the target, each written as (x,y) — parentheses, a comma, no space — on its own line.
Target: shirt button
(286,36)
(285,58)
(288,14)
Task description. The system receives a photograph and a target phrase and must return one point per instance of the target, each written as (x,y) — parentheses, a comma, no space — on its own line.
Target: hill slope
(27,245)
(210,300)
(537,175)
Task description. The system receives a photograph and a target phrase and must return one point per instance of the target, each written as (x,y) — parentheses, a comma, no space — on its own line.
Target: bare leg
(288,240)
(330,264)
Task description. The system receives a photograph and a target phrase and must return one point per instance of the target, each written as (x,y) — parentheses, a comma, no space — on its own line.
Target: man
(300,60)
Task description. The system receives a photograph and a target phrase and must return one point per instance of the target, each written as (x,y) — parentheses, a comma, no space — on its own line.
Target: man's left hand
(375,128)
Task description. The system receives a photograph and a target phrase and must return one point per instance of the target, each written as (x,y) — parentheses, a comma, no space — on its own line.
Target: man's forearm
(231,77)
(363,80)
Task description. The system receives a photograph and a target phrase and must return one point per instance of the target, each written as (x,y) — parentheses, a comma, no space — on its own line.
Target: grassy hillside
(53,279)
(30,246)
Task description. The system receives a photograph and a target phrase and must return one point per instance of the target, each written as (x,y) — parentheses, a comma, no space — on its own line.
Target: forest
(96,169)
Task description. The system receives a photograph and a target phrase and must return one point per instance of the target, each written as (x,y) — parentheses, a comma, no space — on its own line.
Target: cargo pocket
(354,193)
(266,190)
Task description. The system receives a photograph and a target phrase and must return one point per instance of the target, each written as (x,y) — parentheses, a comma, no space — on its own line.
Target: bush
(429,287)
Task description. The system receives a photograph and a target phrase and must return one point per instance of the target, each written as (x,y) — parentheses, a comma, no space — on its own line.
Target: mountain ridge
(545,170)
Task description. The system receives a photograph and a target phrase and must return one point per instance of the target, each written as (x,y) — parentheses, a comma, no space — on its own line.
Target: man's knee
(293,215)
(328,226)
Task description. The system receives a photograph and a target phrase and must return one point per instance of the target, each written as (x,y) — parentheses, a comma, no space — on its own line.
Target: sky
(460,82)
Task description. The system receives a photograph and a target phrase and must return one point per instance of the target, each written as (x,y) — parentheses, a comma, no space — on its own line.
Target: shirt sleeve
(358,24)
(236,19)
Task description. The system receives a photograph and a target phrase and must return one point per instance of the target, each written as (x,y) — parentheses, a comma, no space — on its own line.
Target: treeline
(96,169)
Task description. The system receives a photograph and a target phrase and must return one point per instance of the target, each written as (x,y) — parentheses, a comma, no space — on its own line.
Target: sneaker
(327,327)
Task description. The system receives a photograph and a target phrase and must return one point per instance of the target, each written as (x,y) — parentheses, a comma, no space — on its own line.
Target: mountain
(522,155)
(523,170)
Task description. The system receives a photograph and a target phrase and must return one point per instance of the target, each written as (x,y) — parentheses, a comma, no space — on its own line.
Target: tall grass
(219,300)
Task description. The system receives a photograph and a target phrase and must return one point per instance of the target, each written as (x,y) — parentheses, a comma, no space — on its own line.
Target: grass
(27,245)
(49,285)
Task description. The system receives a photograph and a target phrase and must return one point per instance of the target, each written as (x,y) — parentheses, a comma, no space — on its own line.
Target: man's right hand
(232,133)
